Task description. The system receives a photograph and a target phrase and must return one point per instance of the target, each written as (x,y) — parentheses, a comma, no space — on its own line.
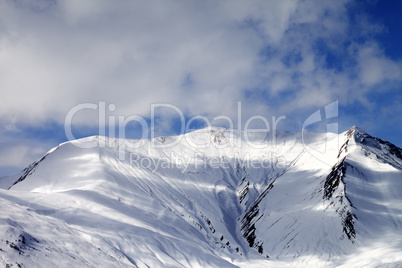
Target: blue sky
(278,58)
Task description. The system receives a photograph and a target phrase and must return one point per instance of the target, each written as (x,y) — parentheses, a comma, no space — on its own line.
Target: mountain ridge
(211,206)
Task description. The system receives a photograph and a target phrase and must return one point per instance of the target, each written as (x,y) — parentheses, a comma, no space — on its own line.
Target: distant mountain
(210,198)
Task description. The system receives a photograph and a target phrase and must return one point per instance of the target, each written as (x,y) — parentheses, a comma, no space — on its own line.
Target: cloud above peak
(202,56)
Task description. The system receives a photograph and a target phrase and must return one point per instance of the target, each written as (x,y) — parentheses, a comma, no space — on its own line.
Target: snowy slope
(213,199)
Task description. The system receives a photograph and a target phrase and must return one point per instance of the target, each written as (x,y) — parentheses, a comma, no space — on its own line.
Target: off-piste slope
(209,198)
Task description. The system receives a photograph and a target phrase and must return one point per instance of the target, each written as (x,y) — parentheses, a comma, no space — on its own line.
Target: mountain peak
(355,131)
(384,151)
(220,205)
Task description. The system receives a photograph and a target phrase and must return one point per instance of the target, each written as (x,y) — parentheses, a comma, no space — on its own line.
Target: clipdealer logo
(148,125)
(320,149)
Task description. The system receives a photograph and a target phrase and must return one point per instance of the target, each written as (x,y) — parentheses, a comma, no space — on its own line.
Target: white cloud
(18,154)
(54,55)
(375,67)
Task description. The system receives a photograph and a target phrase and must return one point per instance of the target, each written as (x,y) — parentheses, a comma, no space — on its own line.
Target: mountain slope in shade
(214,199)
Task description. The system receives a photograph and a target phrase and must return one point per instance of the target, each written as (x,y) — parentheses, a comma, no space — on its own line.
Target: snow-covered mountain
(209,198)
